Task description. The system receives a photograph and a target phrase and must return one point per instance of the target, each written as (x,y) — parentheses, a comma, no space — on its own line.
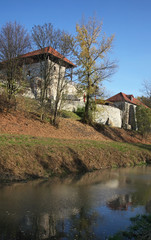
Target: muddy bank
(25,157)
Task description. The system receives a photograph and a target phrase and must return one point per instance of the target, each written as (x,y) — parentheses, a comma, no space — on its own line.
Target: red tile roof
(122,97)
(49,50)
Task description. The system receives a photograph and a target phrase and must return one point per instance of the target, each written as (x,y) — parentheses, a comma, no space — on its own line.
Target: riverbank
(26,157)
(33,149)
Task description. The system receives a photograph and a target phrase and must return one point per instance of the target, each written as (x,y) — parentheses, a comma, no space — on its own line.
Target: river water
(92,206)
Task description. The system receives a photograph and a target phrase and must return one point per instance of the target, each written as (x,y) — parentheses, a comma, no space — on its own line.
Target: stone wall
(35,75)
(128,114)
(71,105)
(108,115)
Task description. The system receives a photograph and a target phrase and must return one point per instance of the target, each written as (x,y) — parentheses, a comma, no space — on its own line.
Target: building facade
(119,111)
(47,72)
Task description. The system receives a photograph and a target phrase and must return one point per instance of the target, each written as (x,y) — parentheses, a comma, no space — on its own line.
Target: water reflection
(92,206)
(120,203)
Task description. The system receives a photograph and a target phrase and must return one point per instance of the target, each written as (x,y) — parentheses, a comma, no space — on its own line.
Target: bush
(69,114)
(143,116)
(80,112)
(139,229)
(90,118)
(5,103)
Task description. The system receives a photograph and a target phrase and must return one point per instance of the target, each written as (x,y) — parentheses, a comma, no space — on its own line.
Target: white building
(47,67)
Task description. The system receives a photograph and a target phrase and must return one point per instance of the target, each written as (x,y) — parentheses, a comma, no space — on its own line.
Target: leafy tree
(143,116)
(92,47)
(14,41)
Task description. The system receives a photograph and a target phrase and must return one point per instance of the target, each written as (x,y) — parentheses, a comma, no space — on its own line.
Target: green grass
(12,139)
(93,155)
(69,114)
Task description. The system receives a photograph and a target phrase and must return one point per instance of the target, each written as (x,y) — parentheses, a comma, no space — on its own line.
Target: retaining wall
(108,115)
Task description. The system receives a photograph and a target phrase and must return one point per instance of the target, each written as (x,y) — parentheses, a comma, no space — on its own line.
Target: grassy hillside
(31,148)
(25,157)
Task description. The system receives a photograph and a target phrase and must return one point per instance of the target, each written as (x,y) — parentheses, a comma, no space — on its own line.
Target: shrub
(69,114)
(139,229)
(5,103)
(80,112)
(143,116)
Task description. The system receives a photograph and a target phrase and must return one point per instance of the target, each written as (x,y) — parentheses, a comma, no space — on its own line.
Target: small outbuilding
(127,104)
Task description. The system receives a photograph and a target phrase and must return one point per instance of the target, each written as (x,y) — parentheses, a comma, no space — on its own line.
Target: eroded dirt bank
(26,157)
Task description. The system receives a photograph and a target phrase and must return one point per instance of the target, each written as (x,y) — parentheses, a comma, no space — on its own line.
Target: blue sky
(129,20)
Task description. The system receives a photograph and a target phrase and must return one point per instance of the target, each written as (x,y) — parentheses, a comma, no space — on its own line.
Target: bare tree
(91,49)
(147,88)
(46,37)
(65,43)
(14,41)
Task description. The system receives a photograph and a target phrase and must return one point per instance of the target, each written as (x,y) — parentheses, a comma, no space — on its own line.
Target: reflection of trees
(63,214)
(65,209)
(46,227)
(32,227)
(82,225)
(148,206)
(83,221)
(142,196)
(120,203)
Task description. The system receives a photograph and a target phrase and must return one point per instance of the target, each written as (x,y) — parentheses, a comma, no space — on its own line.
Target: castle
(117,111)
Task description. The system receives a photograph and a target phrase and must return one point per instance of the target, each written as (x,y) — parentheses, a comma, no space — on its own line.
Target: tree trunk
(55,112)
(87,106)
(87,118)
(57,98)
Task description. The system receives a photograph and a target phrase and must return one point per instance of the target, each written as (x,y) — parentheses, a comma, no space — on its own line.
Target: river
(91,206)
